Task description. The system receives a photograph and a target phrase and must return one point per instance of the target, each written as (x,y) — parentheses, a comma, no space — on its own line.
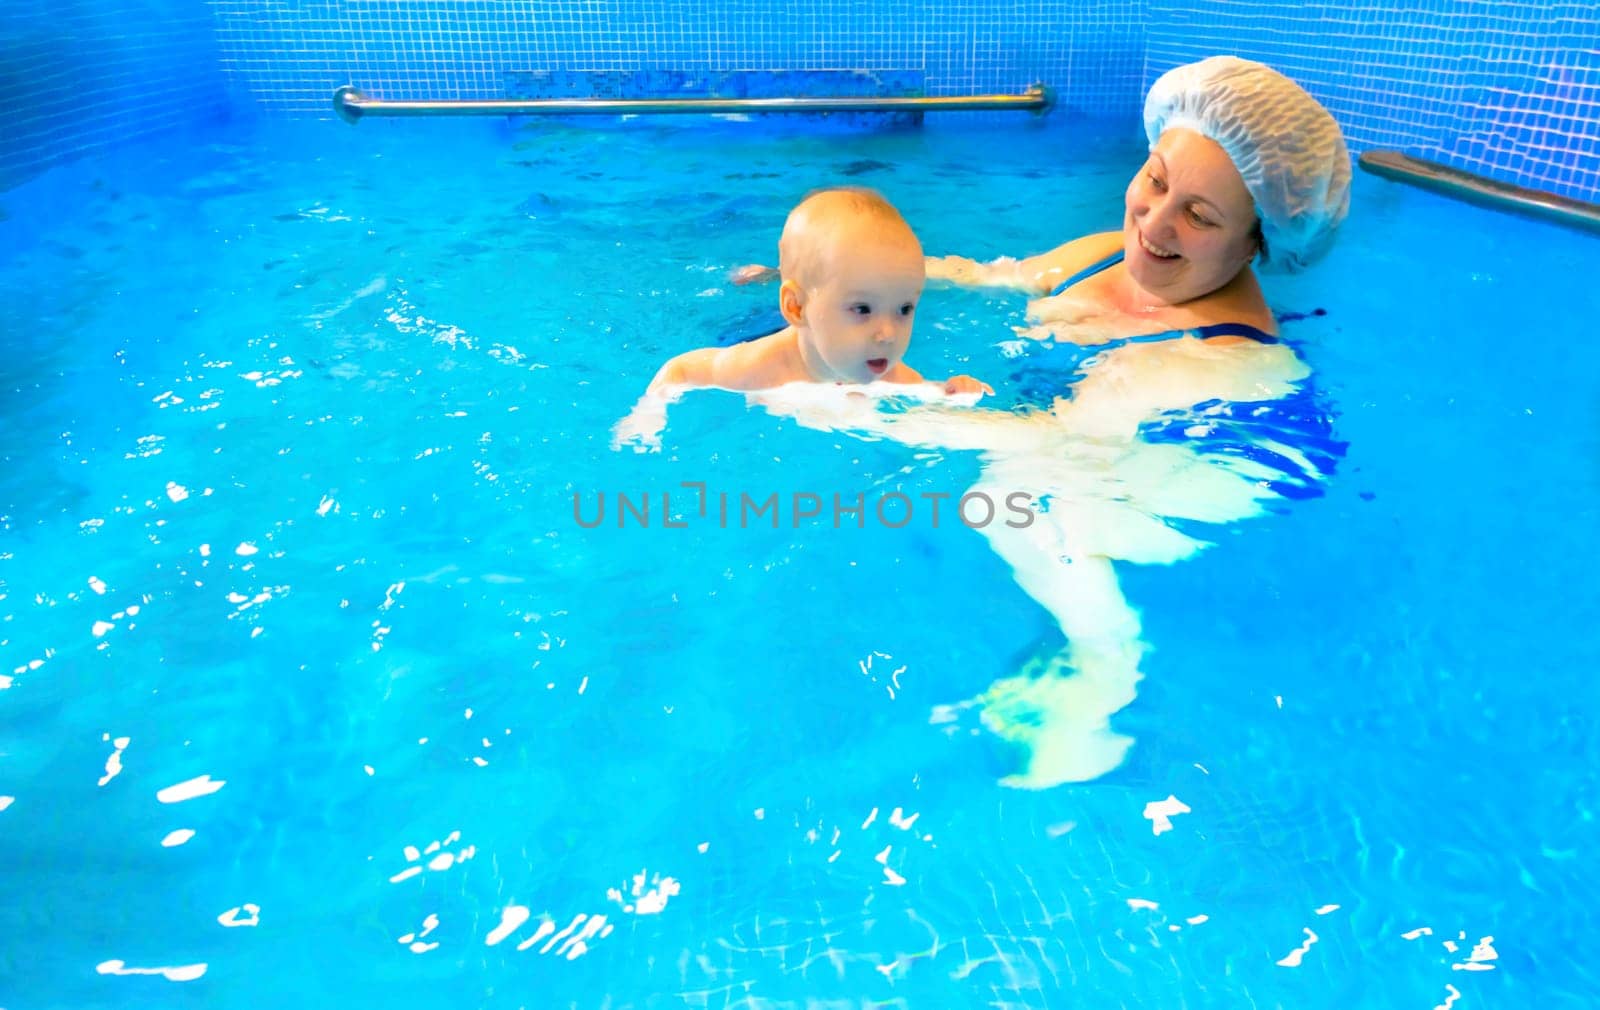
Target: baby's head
(852,273)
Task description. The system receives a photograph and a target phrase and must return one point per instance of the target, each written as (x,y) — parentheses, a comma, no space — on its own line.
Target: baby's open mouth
(878,365)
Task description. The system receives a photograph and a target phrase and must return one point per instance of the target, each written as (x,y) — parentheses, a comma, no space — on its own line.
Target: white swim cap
(1283,142)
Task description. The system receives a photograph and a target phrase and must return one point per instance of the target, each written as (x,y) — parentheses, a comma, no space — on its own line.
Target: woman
(1244,165)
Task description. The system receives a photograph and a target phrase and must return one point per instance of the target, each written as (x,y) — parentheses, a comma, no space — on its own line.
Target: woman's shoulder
(1239,304)
(1237,311)
(1049,269)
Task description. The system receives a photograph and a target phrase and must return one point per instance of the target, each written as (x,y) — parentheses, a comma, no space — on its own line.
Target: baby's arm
(643,426)
(690,369)
(753,365)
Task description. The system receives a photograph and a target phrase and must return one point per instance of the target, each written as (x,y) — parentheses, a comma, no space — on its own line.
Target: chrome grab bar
(351,105)
(1481,190)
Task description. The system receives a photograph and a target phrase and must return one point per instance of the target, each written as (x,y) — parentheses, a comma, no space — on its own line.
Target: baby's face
(859,319)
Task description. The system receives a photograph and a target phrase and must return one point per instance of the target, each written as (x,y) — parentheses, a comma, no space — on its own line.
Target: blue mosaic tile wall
(85,75)
(1510,89)
(1506,89)
(291,54)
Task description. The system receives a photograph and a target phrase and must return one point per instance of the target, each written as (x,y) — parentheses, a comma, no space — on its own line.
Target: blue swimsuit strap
(1203,332)
(773,321)
(1089,271)
(1234,330)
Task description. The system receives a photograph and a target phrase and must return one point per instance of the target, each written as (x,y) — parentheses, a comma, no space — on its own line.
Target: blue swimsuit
(1046,370)
(1218,330)
(1301,420)
(1089,271)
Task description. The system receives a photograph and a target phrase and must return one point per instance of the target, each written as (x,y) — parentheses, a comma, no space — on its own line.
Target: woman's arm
(1036,275)
(1129,385)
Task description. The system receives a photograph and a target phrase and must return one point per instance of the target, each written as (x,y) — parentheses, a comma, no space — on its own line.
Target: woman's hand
(754,273)
(1004,272)
(966,384)
(955,269)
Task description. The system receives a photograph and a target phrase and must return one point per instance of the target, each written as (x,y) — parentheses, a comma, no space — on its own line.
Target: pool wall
(1508,90)
(86,75)
(1511,90)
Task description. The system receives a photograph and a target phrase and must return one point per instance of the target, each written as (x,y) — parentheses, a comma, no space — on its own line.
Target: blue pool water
(294,422)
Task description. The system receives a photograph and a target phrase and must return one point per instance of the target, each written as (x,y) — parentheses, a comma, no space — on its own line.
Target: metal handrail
(351,105)
(1481,189)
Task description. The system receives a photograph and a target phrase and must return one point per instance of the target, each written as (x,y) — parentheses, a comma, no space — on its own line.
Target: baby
(852,272)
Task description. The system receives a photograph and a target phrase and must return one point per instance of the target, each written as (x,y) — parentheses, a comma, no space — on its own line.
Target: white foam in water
(6,801)
(1160,813)
(577,920)
(649,900)
(180,973)
(231,917)
(114,761)
(890,878)
(177,838)
(415,940)
(199,786)
(511,919)
(1294,957)
(441,860)
(545,929)
(1482,953)
(576,946)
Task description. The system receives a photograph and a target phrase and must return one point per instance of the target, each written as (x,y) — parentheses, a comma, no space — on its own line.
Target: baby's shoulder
(758,364)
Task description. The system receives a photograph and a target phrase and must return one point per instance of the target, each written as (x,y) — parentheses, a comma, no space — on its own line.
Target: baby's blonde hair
(827,218)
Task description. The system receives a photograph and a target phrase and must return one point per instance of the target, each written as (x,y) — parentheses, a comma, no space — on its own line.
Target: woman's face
(1190,222)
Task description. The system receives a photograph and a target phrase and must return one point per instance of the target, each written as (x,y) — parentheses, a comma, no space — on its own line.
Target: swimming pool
(313,679)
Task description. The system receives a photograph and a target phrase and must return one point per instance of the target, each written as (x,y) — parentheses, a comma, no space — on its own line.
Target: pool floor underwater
(315,691)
